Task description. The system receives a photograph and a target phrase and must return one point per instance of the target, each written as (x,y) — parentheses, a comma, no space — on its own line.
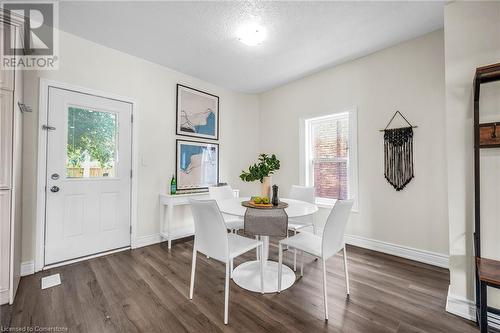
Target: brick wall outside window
(329,153)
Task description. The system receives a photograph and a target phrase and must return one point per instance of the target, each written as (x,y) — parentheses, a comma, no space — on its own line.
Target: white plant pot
(265,188)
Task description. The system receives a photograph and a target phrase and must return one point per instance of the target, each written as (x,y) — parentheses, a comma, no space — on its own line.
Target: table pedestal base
(247,276)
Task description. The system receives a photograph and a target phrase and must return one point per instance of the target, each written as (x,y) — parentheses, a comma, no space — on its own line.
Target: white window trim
(353,156)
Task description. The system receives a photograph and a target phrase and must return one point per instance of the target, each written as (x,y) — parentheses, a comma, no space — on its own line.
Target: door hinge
(130,173)
(48,128)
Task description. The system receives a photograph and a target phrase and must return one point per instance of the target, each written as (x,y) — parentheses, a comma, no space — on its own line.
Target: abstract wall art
(197,113)
(197,165)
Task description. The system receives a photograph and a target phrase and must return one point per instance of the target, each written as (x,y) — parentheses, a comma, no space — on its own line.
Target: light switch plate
(51,281)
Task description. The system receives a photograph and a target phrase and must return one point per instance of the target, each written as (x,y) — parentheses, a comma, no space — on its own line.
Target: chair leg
(261,272)
(257,248)
(301,263)
(287,236)
(280,262)
(231,269)
(295,254)
(324,290)
(193,270)
(346,273)
(226,296)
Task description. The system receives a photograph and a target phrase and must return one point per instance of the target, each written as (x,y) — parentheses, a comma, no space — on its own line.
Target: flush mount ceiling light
(251,34)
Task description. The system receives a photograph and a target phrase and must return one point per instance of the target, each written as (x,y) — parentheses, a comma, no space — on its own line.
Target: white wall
(94,66)
(408,77)
(472,31)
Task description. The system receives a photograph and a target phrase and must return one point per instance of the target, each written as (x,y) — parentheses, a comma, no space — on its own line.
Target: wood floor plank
(146,290)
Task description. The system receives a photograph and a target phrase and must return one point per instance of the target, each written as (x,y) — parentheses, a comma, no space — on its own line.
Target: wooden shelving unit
(486,135)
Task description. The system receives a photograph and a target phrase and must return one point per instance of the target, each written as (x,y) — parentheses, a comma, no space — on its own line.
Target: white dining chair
(302,193)
(323,247)
(218,193)
(212,239)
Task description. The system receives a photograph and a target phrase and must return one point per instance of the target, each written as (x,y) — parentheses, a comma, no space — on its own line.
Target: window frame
(305,162)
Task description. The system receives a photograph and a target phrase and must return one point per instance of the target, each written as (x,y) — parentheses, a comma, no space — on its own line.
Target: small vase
(265,187)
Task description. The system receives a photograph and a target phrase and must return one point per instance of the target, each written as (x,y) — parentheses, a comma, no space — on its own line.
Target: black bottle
(275,201)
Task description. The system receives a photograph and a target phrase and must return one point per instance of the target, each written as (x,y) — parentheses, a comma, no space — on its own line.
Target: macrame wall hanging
(398,154)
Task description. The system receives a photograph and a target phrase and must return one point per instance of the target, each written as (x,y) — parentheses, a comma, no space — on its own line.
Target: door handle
(54,189)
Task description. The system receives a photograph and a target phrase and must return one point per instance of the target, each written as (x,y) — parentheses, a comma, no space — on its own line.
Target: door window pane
(92,143)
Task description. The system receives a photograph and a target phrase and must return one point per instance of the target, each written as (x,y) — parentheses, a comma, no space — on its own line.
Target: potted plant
(262,172)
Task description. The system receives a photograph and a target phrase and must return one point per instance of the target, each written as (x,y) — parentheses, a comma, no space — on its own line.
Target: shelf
(489,135)
(489,146)
(489,270)
(486,135)
(488,73)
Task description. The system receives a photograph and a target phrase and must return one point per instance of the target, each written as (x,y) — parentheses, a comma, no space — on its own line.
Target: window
(329,156)
(91,143)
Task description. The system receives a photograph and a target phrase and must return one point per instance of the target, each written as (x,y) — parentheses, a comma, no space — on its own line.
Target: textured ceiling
(198,38)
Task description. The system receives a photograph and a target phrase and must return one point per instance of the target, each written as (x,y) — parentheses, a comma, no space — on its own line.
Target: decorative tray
(251,204)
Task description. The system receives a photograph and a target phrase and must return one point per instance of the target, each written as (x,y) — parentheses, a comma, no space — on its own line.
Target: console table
(168,202)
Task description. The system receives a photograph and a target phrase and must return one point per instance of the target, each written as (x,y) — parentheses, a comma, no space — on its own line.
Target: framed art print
(197,165)
(197,113)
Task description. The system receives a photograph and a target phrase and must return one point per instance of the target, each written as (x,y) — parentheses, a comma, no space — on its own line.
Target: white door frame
(39,261)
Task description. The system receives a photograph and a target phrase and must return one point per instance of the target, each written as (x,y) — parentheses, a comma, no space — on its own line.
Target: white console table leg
(170,216)
(162,219)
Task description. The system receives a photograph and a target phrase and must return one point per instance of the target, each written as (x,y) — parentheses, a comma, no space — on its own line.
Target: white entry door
(88,191)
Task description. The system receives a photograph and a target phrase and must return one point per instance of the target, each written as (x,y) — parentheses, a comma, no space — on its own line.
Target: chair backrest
(220,192)
(210,234)
(303,193)
(333,234)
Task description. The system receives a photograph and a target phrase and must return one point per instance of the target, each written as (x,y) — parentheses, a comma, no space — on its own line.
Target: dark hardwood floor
(146,290)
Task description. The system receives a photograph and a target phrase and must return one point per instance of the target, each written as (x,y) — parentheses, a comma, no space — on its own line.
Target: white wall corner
(427,257)
(27,268)
(146,240)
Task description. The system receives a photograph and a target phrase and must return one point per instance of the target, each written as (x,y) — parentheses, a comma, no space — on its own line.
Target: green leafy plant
(264,168)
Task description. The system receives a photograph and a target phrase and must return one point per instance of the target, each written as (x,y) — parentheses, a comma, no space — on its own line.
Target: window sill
(327,205)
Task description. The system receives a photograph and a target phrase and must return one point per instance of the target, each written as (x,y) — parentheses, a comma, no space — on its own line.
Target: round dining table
(247,274)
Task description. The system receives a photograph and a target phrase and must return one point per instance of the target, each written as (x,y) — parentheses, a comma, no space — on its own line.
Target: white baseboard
(146,240)
(427,257)
(465,308)
(4,296)
(27,268)
(437,259)
(432,258)
(461,307)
